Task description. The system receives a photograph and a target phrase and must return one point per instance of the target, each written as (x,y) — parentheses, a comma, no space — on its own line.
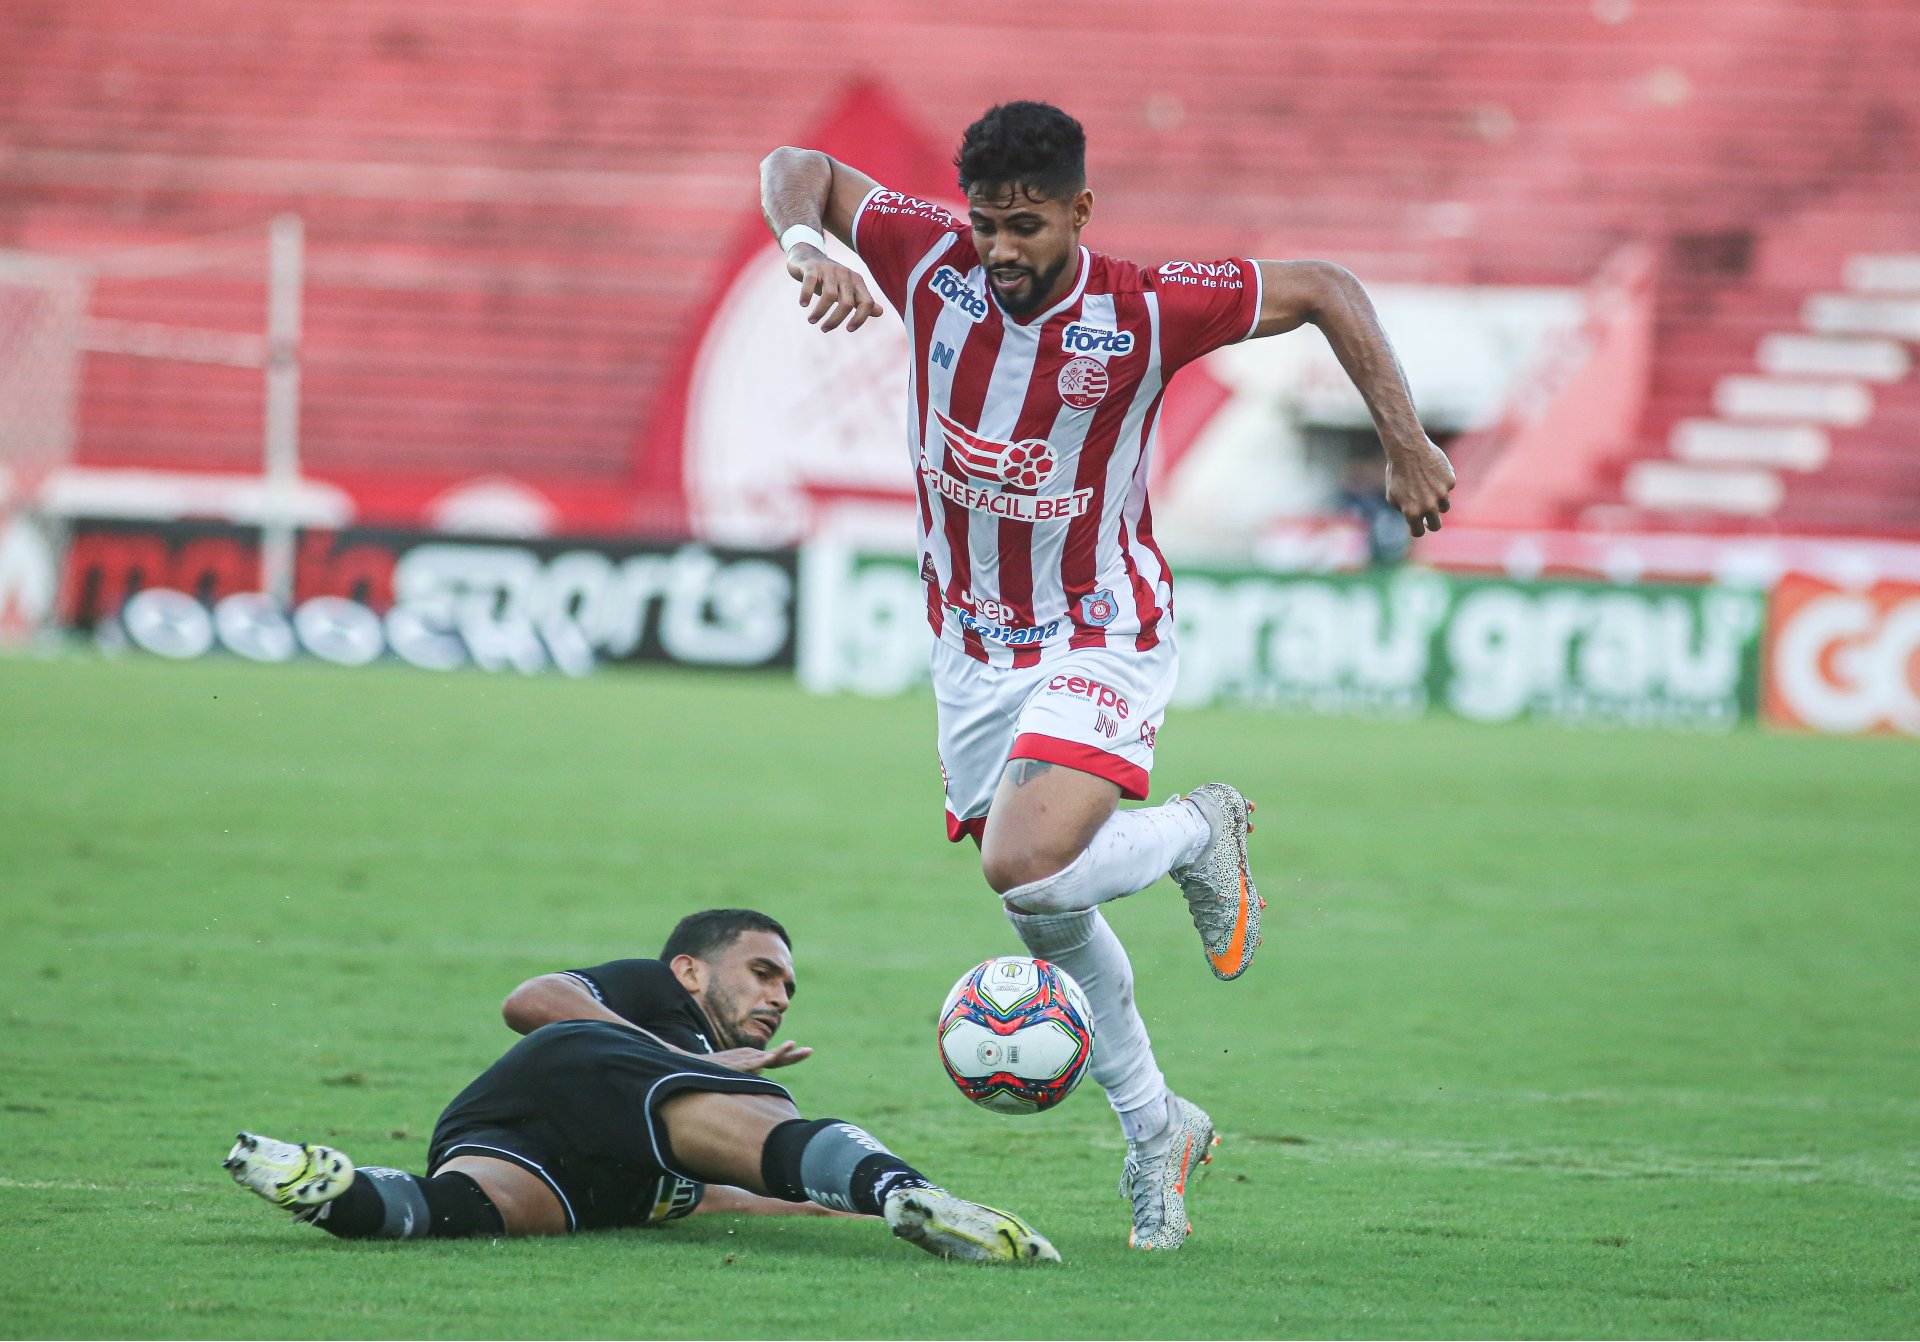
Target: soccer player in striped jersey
(1035,385)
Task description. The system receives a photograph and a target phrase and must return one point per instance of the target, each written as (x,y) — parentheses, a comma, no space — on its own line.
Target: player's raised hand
(1418,483)
(757,1060)
(837,292)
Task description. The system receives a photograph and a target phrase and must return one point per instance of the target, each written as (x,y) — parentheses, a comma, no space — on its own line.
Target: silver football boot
(1219,884)
(1156,1183)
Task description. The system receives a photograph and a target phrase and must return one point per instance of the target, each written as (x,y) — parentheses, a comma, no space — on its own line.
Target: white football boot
(1155,1179)
(1219,884)
(297,1176)
(951,1227)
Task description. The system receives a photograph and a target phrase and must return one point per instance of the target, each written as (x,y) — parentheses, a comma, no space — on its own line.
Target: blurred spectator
(1363,497)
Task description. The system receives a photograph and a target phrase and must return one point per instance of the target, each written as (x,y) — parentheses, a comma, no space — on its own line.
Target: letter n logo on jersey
(1027,464)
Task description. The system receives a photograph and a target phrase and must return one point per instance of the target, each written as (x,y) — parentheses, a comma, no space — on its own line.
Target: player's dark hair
(704,935)
(1024,144)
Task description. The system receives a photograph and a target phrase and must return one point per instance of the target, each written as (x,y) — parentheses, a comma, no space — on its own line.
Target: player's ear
(692,973)
(1083,207)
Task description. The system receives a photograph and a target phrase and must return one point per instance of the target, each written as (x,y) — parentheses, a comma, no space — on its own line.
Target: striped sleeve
(892,231)
(1204,305)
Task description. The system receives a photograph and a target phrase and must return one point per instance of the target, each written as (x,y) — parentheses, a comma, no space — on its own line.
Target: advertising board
(1843,659)
(432,600)
(1491,650)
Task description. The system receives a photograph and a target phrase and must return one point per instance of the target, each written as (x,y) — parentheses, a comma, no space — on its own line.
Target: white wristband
(800,233)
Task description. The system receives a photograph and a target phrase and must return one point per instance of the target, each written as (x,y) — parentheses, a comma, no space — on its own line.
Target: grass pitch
(1553,1033)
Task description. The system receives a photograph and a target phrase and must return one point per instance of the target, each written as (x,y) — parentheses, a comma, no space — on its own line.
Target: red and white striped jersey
(1030,440)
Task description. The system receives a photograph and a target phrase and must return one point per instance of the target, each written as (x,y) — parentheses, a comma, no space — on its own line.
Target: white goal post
(48,324)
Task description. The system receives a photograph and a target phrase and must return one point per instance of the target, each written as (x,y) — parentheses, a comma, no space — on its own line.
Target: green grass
(1554,1034)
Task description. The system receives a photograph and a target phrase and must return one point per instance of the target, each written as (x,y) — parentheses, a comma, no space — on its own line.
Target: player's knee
(1010,868)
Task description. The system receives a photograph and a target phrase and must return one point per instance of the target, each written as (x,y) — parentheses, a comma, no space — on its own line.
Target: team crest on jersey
(1083,382)
(1080,338)
(1099,607)
(927,572)
(954,291)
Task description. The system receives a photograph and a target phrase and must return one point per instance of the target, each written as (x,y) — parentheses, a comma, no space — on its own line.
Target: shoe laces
(1212,915)
(1140,1180)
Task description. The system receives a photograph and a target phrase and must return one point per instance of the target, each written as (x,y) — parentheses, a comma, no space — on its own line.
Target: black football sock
(835,1164)
(391,1204)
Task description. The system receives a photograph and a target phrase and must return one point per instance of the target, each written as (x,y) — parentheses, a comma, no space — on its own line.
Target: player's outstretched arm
(1419,476)
(804,190)
(550,998)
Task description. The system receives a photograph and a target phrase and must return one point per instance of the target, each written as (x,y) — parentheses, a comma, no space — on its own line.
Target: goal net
(57,310)
(43,311)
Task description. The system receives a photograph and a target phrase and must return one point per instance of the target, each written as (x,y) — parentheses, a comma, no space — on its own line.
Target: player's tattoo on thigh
(1025,771)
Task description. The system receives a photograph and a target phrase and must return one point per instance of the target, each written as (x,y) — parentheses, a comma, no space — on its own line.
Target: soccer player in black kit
(634,1099)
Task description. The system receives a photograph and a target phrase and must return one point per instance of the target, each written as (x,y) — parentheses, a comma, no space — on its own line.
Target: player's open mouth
(1010,279)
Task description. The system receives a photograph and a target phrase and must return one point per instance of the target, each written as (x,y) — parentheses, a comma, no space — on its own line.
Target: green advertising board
(1382,645)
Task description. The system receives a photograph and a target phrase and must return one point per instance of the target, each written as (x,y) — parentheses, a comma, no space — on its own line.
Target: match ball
(1016,1035)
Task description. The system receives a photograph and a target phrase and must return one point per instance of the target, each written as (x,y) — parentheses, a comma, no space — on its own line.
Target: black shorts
(577,1104)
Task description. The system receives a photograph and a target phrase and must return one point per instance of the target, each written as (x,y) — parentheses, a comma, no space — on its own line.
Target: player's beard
(728,1020)
(1038,287)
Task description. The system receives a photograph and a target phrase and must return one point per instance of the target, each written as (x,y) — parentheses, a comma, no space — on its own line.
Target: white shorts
(1094,709)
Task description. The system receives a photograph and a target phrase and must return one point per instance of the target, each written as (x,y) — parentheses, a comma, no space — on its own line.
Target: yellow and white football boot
(951,1227)
(298,1176)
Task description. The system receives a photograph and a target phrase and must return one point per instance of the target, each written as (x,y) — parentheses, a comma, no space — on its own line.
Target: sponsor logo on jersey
(1009,635)
(899,202)
(1149,735)
(998,612)
(1010,507)
(1105,725)
(1080,338)
(1204,270)
(955,293)
(1027,464)
(1202,274)
(1083,382)
(1082,687)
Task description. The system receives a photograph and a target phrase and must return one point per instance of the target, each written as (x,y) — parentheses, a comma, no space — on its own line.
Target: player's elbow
(1330,286)
(788,155)
(521,1009)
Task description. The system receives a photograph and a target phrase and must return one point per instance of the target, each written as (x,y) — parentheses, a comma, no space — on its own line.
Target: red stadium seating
(514,206)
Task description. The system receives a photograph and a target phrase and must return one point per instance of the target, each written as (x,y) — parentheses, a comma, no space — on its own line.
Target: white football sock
(1128,853)
(1149,1123)
(1085,946)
